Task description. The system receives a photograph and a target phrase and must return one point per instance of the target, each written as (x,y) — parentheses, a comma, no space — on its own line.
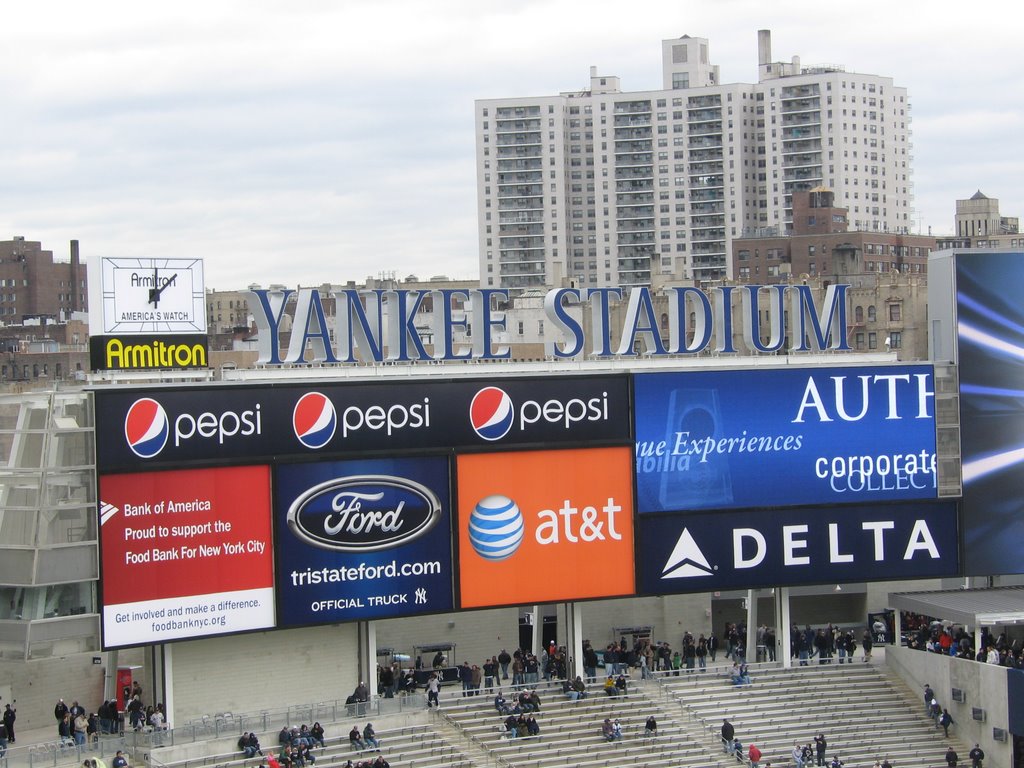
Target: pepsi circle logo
(146,428)
(496,527)
(314,420)
(491,413)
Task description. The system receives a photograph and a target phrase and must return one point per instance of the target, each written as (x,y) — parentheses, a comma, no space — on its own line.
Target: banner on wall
(151,428)
(755,438)
(185,553)
(360,540)
(750,549)
(544,526)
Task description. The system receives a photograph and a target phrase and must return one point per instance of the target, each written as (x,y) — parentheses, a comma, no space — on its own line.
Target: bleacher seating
(420,745)
(571,730)
(863,714)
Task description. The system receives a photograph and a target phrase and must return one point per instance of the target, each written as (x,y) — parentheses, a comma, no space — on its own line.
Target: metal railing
(224,724)
(54,753)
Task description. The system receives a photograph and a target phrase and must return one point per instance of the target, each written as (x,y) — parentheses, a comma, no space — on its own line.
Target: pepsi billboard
(364,539)
(231,424)
(754,438)
(705,551)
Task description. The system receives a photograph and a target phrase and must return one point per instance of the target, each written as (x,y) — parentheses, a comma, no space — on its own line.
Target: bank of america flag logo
(107,511)
(686,560)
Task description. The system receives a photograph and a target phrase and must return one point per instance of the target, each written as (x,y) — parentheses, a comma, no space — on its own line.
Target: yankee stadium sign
(380,325)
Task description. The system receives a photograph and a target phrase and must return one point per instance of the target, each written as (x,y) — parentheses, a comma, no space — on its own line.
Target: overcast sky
(309,141)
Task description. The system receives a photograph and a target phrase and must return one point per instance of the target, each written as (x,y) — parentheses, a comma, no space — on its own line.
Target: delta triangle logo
(686,560)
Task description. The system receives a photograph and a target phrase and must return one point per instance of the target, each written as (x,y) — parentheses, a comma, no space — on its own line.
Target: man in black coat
(10,715)
(728,733)
(977,755)
(820,745)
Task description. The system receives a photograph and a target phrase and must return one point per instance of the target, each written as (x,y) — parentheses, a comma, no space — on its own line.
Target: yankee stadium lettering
(380,325)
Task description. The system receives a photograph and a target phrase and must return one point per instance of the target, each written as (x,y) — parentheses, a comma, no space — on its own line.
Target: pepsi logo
(314,420)
(146,428)
(496,528)
(491,413)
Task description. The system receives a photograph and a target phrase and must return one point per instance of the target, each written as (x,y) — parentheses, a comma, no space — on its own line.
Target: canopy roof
(971,607)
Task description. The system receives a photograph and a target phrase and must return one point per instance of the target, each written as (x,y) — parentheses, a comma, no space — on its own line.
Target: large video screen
(990,334)
(185,553)
(756,438)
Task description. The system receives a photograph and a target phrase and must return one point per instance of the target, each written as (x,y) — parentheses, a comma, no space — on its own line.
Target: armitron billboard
(544,526)
(749,549)
(359,540)
(153,428)
(755,438)
(185,554)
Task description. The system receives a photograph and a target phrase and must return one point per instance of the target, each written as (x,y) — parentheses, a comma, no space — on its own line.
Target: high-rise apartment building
(607,187)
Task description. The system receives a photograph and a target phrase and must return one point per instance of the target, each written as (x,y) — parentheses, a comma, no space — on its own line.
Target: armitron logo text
(117,355)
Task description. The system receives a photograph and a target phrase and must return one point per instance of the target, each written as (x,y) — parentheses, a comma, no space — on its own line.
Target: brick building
(33,284)
(821,245)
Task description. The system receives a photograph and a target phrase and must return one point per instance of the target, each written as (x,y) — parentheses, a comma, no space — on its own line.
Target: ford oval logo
(363,513)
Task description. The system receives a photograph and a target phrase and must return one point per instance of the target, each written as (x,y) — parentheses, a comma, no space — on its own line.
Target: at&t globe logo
(496,527)
(491,413)
(314,420)
(146,428)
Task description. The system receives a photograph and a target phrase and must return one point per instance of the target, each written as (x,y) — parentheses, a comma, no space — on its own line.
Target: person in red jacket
(754,755)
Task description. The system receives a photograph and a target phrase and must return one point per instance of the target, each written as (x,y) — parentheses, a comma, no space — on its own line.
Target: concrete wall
(35,686)
(264,670)
(984,685)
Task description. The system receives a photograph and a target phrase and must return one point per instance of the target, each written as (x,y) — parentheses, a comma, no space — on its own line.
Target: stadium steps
(863,712)
(571,731)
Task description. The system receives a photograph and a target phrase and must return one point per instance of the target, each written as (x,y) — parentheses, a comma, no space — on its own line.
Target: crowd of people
(924,634)
(828,643)
(77,726)
(298,742)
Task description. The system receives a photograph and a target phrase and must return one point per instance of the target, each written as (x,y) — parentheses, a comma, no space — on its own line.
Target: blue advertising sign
(361,540)
(990,336)
(155,427)
(755,438)
(751,549)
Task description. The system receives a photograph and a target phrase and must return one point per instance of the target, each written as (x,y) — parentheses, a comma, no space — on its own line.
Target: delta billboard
(361,540)
(544,526)
(755,438)
(705,551)
(185,553)
(164,427)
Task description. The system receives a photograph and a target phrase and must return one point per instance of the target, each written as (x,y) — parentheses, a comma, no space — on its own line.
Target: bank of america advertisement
(359,540)
(185,554)
(754,548)
(755,438)
(990,336)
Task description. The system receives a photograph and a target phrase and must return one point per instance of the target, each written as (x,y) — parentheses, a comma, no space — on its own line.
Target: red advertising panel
(185,554)
(545,526)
